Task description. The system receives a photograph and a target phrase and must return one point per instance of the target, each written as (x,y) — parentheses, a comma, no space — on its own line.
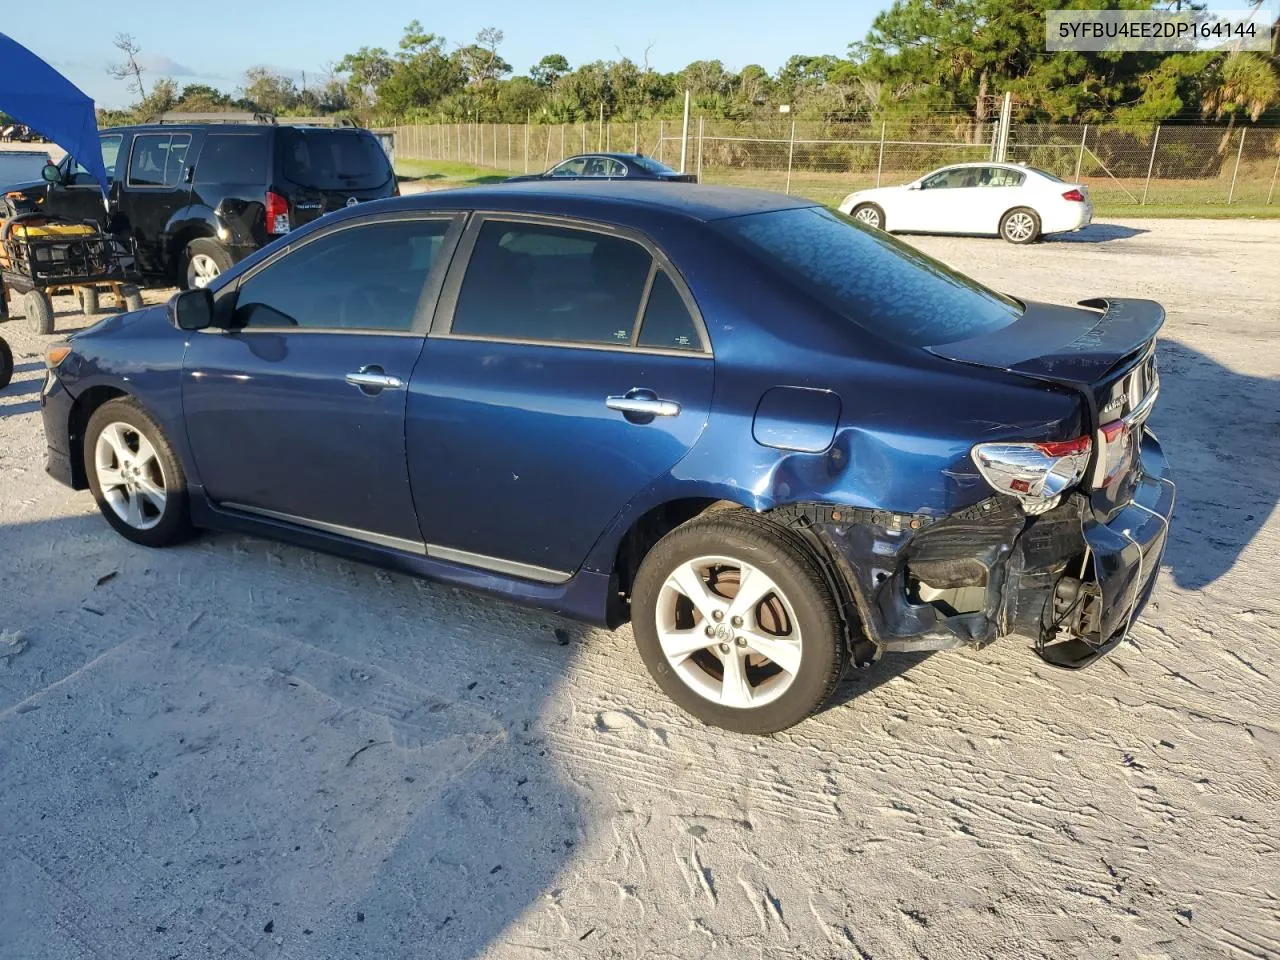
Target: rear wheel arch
(641,537)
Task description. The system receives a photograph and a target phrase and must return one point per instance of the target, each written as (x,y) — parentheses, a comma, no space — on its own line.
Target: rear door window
(232,158)
(158,159)
(667,323)
(333,159)
(1000,177)
(871,278)
(539,282)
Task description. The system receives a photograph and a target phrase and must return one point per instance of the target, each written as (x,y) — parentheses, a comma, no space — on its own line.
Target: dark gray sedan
(610,166)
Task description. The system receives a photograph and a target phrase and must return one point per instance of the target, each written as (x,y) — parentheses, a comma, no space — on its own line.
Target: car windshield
(651,165)
(333,159)
(21,166)
(871,278)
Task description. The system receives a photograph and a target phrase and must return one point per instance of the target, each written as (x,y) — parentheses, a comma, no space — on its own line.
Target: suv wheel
(736,623)
(135,477)
(202,262)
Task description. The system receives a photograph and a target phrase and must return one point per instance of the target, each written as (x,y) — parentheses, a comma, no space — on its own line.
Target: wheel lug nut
(736,621)
(724,648)
(710,632)
(740,641)
(717,616)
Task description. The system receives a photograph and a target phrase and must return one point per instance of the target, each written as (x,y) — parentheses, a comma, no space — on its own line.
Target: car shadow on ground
(862,680)
(1097,233)
(340,762)
(1221,433)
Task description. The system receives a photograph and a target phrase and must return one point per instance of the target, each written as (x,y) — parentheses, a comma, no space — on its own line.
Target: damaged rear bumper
(1068,581)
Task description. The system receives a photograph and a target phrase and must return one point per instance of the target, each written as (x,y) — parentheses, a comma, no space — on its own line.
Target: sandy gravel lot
(240,749)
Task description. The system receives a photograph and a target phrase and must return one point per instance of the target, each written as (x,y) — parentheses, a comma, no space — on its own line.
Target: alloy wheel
(728,632)
(1019,227)
(869,216)
(201,271)
(130,476)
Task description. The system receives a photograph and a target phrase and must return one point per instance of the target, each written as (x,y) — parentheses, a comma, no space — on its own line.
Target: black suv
(198,196)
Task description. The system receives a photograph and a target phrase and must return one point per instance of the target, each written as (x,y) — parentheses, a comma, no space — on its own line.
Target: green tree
(269,90)
(548,70)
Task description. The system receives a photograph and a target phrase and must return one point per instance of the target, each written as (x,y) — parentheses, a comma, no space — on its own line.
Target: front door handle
(644,403)
(372,379)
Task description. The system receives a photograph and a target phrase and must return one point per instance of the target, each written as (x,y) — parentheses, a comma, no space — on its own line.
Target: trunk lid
(322,170)
(1104,349)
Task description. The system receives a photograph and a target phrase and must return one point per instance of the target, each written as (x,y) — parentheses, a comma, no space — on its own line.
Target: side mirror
(51,173)
(192,309)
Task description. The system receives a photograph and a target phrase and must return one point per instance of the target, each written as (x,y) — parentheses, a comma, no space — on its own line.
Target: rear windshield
(650,164)
(333,159)
(878,282)
(20,167)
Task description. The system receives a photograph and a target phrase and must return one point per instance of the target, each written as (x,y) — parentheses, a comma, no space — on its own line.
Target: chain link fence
(1187,165)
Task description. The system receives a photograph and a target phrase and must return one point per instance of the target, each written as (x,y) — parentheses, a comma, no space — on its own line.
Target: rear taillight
(1074,195)
(1036,473)
(277,214)
(1114,454)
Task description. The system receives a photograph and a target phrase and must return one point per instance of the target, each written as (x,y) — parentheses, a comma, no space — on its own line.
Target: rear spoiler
(1065,344)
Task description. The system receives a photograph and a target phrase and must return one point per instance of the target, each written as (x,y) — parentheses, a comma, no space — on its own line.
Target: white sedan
(1006,200)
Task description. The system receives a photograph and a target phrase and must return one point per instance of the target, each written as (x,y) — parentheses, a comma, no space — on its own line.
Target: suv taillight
(277,214)
(1074,195)
(1036,473)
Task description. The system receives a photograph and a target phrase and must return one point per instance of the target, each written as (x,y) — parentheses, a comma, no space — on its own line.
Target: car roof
(612,154)
(586,197)
(225,128)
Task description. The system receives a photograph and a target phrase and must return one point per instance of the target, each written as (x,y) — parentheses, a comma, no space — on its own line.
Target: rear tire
(202,262)
(756,669)
(39,311)
(88,297)
(132,297)
(135,477)
(6,364)
(869,213)
(1020,225)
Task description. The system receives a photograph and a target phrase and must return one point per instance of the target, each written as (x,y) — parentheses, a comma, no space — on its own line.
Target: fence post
(528,122)
(635,136)
(699,166)
(584,136)
(1236,172)
(495,145)
(1155,141)
(1080,156)
(1273,178)
(791,150)
(880,162)
(684,132)
(1006,109)
(662,133)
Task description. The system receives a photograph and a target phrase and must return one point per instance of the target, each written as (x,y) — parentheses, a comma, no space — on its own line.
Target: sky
(217,44)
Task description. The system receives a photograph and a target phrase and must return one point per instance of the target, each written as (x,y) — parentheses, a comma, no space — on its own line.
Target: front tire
(203,261)
(136,480)
(1020,225)
(6,364)
(736,623)
(869,213)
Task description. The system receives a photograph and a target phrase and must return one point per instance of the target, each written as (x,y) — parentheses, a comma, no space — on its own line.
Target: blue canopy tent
(34,93)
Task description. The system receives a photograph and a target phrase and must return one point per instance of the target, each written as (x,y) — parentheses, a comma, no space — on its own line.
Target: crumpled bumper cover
(1020,560)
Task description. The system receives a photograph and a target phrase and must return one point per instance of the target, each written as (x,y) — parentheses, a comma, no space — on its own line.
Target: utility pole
(684,136)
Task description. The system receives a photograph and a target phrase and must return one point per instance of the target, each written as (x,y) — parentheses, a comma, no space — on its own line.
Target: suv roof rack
(231,116)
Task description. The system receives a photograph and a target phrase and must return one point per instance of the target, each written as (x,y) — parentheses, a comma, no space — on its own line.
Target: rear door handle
(647,406)
(372,379)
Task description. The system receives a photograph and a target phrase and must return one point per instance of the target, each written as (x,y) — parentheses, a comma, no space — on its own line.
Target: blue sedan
(776,441)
